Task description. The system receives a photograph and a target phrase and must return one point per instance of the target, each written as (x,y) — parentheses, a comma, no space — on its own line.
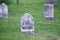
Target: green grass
(10,27)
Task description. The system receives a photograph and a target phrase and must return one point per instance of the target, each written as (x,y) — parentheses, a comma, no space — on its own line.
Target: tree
(17,1)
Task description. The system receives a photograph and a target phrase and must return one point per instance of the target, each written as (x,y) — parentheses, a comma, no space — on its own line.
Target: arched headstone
(4,10)
(27,23)
(49,11)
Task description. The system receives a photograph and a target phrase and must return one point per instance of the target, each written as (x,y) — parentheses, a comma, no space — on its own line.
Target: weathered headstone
(27,24)
(1,12)
(4,10)
(49,11)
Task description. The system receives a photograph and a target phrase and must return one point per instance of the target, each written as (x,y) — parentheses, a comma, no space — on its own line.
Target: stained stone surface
(27,24)
(49,11)
(4,10)
(1,12)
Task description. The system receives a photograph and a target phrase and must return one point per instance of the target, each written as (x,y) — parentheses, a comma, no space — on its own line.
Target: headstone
(52,2)
(1,11)
(49,11)
(4,10)
(27,24)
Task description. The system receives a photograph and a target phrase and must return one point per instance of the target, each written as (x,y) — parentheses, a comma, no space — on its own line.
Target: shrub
(5,1)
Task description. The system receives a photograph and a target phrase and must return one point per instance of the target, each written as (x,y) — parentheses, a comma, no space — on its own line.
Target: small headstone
(27,24)
(1,12)
(49,11)
(4,10)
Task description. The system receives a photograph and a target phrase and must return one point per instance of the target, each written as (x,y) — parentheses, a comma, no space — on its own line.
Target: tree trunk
(17,1)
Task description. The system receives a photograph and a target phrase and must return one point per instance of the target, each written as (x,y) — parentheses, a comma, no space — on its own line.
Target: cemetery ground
(10,27)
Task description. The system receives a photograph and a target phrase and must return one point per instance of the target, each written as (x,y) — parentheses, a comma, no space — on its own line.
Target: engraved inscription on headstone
(1,12)
(49,11)
(4,10)
(27,23)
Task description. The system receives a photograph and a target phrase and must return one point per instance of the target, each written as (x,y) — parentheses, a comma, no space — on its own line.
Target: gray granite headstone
(27,24)
(4,10)
(49,11)
(1,11)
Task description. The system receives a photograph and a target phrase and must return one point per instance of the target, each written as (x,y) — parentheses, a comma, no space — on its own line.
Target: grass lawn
(10,27)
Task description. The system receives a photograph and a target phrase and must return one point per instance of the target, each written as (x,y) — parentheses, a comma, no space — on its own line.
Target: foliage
(5,1)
